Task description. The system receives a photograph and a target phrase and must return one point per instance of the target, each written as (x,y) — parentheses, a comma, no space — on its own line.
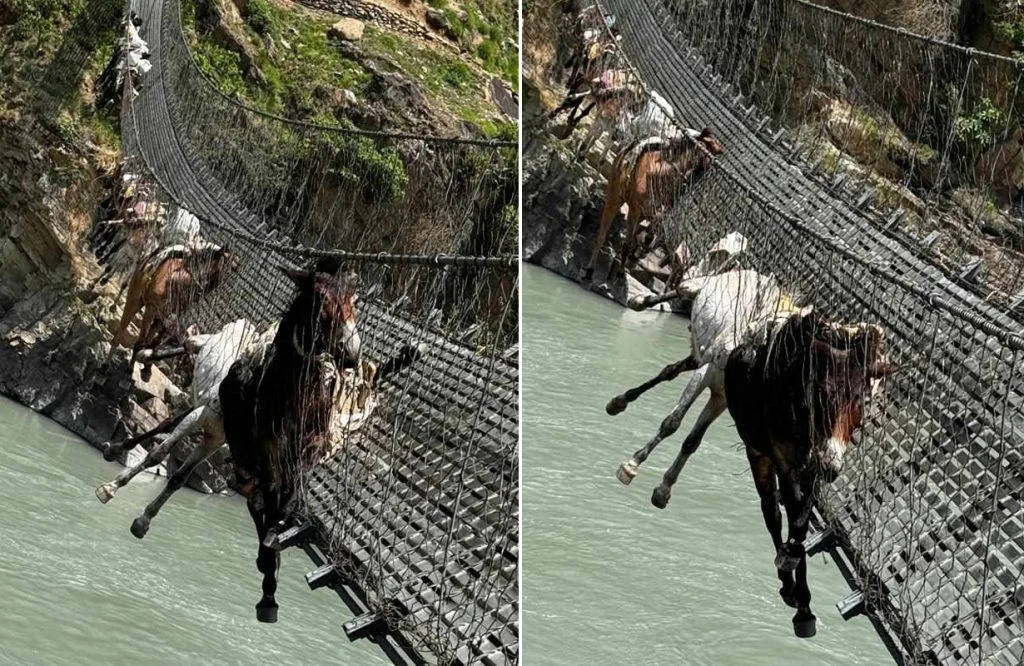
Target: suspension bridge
(414,521)
(926,521)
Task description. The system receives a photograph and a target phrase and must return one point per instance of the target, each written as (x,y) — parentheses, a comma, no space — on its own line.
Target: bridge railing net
(328,185)
(930,502)
(417,507)
(891,122)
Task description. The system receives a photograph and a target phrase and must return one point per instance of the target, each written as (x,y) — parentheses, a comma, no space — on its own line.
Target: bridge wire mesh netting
(928,507)
(416,507)
(921,137)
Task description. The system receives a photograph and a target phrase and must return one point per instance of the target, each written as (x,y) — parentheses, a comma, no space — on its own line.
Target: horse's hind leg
(716,405)
(627,470)
(213,438)
(612,202)
(629,241)
(112,450)
(186,426)
(619,403)
(132,305)
(797,496)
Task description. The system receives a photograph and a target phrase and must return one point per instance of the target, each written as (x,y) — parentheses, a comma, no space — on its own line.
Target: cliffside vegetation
(298,62)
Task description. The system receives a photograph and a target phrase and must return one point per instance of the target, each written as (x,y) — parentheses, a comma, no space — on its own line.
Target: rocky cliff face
(55,352)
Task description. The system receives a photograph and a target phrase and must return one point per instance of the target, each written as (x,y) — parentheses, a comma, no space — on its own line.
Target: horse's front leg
(267,559)
(798,497)
(763,471)
(574,120)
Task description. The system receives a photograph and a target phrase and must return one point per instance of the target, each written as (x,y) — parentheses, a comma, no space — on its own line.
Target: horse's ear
(706,133)
(297,276)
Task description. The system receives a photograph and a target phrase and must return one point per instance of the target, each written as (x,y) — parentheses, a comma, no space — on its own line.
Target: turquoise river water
(77,589)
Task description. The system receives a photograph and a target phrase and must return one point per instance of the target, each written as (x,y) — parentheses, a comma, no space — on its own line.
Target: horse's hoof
(266,612)
(637,303)
(110,452)
(661,496)
(616,405)
(106,492)
(626,472)
(140,526)
(804,625)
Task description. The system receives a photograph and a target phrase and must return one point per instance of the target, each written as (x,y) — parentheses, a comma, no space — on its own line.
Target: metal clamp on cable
(374,623)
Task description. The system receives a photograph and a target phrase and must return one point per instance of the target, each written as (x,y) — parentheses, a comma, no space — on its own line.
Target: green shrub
(40,18)
(257,15)
(380,172)
(1012,32)
(383,173)
(980,128)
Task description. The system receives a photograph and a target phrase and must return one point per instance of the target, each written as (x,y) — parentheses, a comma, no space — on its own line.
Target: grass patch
(300,63)
(304,71)
(447,79)
(258,15)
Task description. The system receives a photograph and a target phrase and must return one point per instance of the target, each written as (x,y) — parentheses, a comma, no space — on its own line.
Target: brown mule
(165,285)
(648,185)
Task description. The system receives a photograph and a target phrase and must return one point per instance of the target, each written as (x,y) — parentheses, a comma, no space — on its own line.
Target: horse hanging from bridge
(647,177)
(725,308)
(215,353)
(797,396)
(797,383)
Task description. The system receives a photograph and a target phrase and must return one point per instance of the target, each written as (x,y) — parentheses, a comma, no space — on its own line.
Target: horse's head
(849,361)
(324,311)
(693,160)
